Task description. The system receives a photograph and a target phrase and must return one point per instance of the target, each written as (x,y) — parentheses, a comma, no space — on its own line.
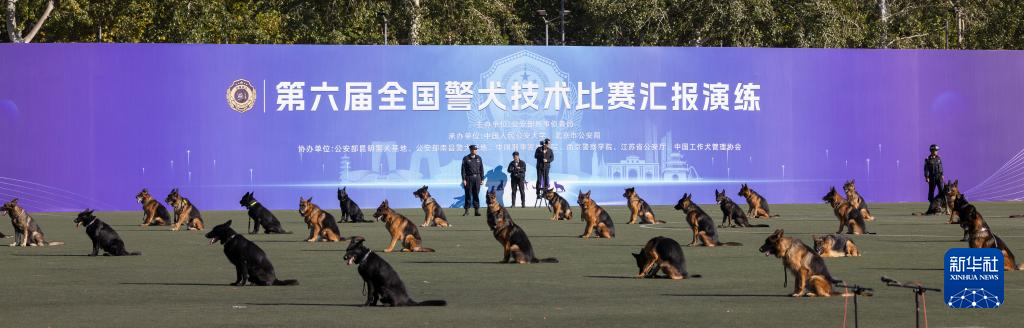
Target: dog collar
(91,222)
(253,203)
(364,257)
(230,238)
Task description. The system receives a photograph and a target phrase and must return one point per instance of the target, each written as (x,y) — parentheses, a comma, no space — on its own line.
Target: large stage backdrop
(90,125)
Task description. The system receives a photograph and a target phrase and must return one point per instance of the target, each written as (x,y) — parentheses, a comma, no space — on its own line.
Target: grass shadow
(304,304)
(174,284)
(728,295)
(57,255)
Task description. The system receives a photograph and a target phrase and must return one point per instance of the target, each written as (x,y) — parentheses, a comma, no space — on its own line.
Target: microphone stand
(919,291)
(857,290)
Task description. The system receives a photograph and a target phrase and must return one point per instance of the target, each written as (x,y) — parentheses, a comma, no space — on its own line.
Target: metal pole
(385,31)
(917,309)
(561,16)
(545,31)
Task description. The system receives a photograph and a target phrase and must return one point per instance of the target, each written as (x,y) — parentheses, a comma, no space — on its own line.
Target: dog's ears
(89,211)
(778,232)
(357,240)
(227,224)
(956,182)
(636,255)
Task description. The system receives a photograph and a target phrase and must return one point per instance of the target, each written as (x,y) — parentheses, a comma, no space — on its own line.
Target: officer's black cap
(933,147)
(472,147)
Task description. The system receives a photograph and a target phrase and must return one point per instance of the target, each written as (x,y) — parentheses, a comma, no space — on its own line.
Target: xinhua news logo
(974,278)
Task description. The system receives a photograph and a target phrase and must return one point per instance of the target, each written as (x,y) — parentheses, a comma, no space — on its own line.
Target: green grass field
(181,281)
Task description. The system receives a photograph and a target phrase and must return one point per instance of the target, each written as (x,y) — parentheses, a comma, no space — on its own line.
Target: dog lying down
(251,264)
(382,282)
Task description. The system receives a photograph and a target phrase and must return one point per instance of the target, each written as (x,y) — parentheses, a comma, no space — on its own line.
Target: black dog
(261,216)
(251,264)
(349,209)
(382,281)
(102,235)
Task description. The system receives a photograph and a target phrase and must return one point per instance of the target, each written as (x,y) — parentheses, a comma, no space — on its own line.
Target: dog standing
(251,264)
(701,223)
(401,229)
(321,223)
(848,215)
(26,231)
(261,216)
(732,214)
(350,211)
(638,208)
(597,218)
(512,238)
(852,196)
(664,254)
(835,245)
(431,209)
(381,280)
(758,205)
(806,265)
(981,236)
(153,213)
(560,209)
(184,212)
(102,235)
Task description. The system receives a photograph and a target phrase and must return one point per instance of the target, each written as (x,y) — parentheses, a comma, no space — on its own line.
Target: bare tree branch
(39,22)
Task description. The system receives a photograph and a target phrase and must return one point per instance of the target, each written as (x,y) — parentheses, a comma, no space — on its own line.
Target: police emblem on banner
(974,278)
(241,96)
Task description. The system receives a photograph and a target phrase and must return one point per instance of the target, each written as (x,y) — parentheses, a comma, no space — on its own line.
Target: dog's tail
(285,232)
(757,226)
(547,260)
(430,303)
(288,282)
(774,216)
(54,243)
(730,243)
(920,214)
(689,276)
(135,253)
(1017,216)
(424,249)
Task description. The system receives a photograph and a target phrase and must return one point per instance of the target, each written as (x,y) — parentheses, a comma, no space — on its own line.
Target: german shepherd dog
(560,209)
(350,211)
(981,236)
(939,204)
(381,280)
(701,223)
(260,216)
(757,204)
(153,213)
(803,262)
(321,223)
(401,229)
(848,215)
(511,237)
(26,231)
(595,217)
(184,212)
(251,264)
(953,195)
(638,208)
(732,214)
(835,245)
(431,209)
(664,254)
(102,235)
(852,196)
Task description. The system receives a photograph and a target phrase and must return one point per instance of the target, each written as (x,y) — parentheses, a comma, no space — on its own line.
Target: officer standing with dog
(544,157)
(472,179)
(517,170)
(933,171)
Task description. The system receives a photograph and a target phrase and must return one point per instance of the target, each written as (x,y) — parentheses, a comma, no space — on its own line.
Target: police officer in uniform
(544,157)
(933,171)
(517,170)
(472,179)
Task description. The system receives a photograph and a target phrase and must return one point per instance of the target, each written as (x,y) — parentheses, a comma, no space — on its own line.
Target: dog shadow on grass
(728,295)
(176,284)
(57,255)
(304,304)
(459,262)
